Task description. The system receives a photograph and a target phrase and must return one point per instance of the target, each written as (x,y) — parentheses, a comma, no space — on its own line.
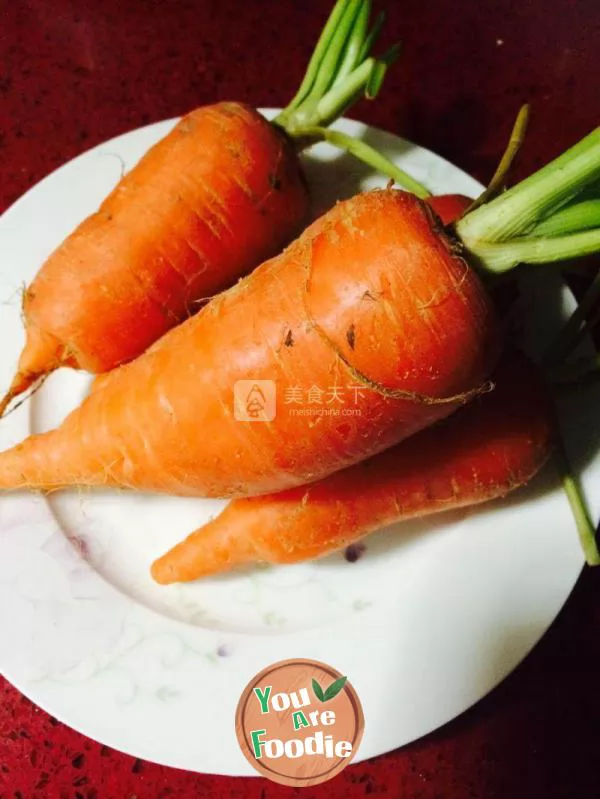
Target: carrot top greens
(340,72)
(341,69)
(542,219)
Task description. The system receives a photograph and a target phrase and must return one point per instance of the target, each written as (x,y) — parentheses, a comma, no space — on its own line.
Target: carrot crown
(341,69)
(551,216)
(340,72)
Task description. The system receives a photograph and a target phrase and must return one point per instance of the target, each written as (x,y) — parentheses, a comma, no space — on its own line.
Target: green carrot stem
(518,210)
(329,107)
(372,37)
(323,44)
(368,155)
(377,76)
(327,72)
(591,192)
(324,64)
(338,98)
(515,141)
(351,56)
(564,342)
(340,71)
(502,256)
(585,526)
(570,219)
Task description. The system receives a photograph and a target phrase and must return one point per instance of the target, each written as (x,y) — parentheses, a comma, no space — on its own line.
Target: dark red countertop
(76,72)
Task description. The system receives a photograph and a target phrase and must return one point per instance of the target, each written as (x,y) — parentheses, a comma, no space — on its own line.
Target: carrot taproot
(222,192)
(491,447)
(371,302)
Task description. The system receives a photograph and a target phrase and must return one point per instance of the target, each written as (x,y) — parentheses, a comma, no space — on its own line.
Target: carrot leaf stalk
(573,217)
(563,372)
(370,156)
(515,142)
(521,208)
(340,72)
(503,233)
(585,526)
(340,69)
(502,256)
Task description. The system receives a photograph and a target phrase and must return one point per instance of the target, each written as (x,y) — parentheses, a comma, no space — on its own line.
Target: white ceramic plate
(431,618)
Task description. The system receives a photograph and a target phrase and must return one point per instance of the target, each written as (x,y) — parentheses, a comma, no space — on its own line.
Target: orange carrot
(489,448)
(213,199)
(448,207)
(371,302)
(222,192)
(375,294)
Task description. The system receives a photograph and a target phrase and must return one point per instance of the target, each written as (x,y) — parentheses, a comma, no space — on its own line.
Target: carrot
(371,297)
(213,199)
(219,194)
(489,448)
(374,295)
(448,207)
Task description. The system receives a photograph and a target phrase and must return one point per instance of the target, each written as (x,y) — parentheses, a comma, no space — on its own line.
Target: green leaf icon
(318,690)
(331,692)
(334,689)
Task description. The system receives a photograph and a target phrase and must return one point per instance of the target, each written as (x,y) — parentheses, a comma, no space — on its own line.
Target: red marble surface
(75,72)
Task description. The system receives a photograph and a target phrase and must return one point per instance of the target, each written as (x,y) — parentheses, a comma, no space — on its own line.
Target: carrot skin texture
(377,264)
(218,195)
(448,207)
(492,446)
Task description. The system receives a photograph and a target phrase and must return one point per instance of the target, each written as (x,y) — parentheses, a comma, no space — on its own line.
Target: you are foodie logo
(299,722)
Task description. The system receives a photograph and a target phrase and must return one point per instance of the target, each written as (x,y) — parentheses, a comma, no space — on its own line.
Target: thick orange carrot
(212,200)
(370,310)
(222,192)
(448,207)
(487,449)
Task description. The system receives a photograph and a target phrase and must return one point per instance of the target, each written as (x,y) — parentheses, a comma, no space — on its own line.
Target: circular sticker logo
(299,722)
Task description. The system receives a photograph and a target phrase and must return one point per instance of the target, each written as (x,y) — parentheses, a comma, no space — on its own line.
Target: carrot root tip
(21,383)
